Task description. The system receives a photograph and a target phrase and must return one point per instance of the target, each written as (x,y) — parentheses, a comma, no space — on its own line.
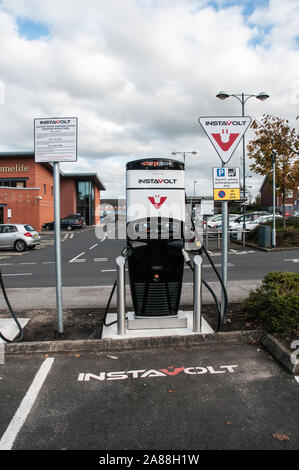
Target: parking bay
(216,397)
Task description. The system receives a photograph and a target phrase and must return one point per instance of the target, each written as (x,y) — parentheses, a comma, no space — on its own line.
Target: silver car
(18,236)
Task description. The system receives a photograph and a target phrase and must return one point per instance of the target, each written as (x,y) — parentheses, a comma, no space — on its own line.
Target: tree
(274,134)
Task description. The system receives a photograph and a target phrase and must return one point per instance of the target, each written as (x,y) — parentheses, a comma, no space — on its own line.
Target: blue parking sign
(220,171)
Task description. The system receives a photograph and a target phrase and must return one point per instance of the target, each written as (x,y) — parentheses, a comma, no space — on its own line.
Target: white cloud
(139,73)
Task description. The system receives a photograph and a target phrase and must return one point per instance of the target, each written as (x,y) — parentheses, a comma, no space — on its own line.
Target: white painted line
(297,378)
(294,260)
(65,236)
(17,274)
(71,236)
(8,438)
(216,265)
(6,264)
(48,262)
(76,257)
(96,260)
(108,270)
(27,263)
(93,246)
(105,236)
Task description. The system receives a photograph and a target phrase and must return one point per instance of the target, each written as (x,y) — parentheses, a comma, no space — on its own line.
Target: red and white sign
(157,200)
(151,203)
(225,133)
(155,193)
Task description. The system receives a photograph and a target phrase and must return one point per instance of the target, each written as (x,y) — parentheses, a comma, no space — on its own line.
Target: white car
(18,236)
(217,224)
(249,217)
(251,225)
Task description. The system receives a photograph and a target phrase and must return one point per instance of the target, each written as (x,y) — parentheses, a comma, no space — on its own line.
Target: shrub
(276,302)
(284,237)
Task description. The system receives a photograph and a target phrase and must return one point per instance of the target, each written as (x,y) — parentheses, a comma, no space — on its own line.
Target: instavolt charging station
(155,219)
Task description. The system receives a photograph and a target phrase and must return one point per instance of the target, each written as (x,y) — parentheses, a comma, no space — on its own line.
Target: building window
(45,189)
(85,200)
(52,190)
(13,183)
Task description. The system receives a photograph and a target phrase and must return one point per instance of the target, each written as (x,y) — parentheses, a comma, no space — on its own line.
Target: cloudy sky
(139,73)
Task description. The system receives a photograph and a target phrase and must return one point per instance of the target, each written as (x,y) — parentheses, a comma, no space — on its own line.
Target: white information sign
(226,178)
(207,207)
(55,139)
(225,133)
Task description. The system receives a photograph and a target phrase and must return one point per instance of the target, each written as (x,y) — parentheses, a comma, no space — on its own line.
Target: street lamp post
(274,200)
(194,182)
(184,154)
(222,95)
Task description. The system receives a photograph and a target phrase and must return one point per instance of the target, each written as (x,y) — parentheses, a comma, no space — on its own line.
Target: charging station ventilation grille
(157,299)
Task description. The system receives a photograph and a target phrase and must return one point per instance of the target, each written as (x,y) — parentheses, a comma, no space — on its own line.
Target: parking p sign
(226,184)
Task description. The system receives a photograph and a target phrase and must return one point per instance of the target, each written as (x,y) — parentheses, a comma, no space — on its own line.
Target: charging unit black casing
(155,190)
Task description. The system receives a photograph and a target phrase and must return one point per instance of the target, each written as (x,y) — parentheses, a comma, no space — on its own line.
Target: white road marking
(76,258)
(8,438)
(17,274)
(48,262)
(93,246)
(65,236)
(96,260)
(6,264)
(71,236)
(108,270)
(294,260)
(27,263)
(297,378)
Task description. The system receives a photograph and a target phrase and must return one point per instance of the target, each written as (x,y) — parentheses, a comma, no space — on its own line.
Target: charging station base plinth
(145,323)
(111,331)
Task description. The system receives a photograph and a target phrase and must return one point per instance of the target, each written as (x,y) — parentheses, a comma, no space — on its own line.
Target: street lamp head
(262,96)
(222,95)
(194,153)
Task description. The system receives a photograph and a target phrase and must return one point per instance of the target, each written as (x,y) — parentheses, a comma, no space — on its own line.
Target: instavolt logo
(56,121)
(154,373)
(157,201)
(157,181)
(225,138)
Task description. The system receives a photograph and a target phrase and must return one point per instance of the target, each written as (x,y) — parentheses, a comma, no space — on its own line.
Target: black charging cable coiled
(20,337)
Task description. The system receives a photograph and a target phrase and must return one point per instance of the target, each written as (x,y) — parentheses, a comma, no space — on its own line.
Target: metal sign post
(58,246)
(225,133)
(55,140)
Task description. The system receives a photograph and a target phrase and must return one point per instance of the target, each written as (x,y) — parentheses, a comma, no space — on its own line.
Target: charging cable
(124,253)
(188,261)
(221,319)
(21,333)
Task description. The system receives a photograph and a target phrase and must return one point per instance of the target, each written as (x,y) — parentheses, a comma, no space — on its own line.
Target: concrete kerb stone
(279,352)
(266,340)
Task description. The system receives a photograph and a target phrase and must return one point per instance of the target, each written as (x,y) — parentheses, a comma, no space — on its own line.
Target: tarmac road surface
(213,397)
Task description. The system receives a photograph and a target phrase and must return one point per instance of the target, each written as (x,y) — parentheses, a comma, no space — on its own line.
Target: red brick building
(291,200)
(27,191)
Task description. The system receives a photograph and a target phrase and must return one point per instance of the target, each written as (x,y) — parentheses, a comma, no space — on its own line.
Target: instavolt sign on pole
(225,134)
(55,140)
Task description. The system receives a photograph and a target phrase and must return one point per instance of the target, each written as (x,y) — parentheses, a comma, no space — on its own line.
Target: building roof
(94,177)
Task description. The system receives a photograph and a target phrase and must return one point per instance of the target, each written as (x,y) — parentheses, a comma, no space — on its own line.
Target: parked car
(79,217)
(18,236)
(217,224)
(251,225)
(249,216)
(67,223)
